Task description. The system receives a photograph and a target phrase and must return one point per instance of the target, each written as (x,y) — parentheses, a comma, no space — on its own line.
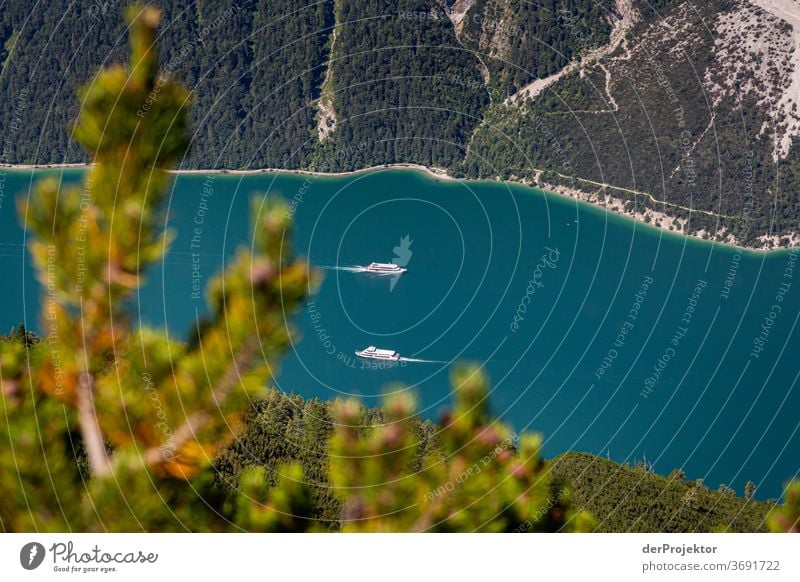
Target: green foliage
(284,430)
(21,335)
(478,479)
(625,499)
(787,517)
(150,414)
(384,470)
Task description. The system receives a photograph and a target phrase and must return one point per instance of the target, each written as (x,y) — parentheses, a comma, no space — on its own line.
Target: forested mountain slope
(254,67)
(682,113)
(284,428)
(519,42)
(402,88)
(697,108)
(633,499)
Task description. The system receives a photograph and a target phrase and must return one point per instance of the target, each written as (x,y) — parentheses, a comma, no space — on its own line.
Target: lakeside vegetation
(621,498)
(654,137)
(404,84)
(627,498)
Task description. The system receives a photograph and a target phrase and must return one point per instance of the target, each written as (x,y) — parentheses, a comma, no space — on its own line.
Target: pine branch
(90,429)
(195,421)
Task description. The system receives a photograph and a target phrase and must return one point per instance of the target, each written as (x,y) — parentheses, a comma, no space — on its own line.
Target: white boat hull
(369,356)
(397,271)
(384,269)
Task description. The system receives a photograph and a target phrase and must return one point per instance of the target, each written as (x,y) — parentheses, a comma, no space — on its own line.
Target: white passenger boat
(373,353)
(385,269)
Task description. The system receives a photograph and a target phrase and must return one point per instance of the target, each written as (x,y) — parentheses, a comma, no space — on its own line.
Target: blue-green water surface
(603,334)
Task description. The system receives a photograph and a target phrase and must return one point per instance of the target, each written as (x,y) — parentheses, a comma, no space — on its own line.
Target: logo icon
(31,555)
(403,255)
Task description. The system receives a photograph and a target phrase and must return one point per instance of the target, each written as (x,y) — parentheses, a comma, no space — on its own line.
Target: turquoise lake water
(604,335)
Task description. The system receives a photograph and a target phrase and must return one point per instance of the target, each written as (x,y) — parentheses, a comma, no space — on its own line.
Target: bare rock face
(457,11)
(757,57)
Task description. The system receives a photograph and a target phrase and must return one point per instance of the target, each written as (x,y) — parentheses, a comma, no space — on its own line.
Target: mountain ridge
(650,109)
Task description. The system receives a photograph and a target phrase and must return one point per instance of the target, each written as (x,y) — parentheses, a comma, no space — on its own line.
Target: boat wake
(374,269)
(351,269)
(421,361)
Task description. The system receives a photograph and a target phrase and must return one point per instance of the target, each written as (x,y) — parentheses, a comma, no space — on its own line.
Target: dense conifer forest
(337,85)
(623,498)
